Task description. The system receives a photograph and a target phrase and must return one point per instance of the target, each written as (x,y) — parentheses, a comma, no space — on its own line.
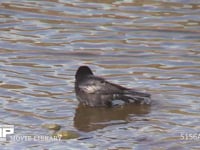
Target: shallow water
(152,46)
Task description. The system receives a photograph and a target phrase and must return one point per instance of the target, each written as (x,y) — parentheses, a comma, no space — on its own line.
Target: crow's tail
(131,96)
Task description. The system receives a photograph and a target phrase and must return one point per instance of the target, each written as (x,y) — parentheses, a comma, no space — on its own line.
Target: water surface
(152,46)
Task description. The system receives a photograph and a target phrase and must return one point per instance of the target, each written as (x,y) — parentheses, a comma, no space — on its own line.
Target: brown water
(153,46)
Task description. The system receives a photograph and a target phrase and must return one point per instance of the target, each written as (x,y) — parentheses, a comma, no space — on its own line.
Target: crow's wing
(93,84)
(97,85)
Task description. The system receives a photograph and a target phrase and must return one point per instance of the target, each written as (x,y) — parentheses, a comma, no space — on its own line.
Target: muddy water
(153,46)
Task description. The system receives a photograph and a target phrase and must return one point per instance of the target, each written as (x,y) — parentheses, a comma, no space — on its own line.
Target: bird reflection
(89,118)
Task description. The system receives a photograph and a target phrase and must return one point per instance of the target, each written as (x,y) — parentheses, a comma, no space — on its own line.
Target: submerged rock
(55,127)
(67,134)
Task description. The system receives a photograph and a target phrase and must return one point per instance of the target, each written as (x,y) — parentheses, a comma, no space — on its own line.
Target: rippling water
(151,45)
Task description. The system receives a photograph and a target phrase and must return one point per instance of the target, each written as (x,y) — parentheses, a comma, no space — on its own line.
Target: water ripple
(147,45)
